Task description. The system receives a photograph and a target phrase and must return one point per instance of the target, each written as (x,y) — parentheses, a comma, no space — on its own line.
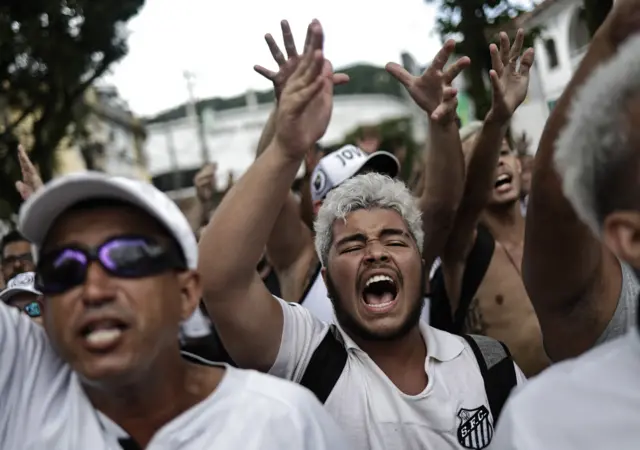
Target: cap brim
(41,211)
(381,162)
(7,294)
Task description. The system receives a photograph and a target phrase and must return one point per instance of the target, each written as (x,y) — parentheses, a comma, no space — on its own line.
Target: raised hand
(205,182)
(289,64)
(31,180)
(509,83)
(307,99)
(432,91)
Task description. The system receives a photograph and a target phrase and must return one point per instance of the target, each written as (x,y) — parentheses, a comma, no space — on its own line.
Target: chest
(451,413)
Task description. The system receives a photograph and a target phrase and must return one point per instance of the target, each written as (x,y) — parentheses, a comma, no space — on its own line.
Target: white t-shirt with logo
(43,406)
(373,412)
(591,402)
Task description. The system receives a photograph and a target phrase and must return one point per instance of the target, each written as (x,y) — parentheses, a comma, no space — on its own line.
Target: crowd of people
(489,301)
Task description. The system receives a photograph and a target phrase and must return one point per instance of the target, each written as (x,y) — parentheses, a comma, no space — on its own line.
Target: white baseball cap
(41,210)
(337,167)
(20,284)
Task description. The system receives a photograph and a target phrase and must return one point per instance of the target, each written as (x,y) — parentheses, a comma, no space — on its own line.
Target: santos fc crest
(475,429)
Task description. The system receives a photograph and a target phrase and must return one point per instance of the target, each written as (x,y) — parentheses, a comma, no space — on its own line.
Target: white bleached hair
(371,190)
(594,138)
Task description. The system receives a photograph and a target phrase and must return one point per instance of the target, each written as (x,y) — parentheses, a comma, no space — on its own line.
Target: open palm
(287,66)
(432,91)
(307,99)
(509,81)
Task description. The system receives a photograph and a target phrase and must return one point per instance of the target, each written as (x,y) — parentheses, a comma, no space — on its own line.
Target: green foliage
(473,23)
(50,52)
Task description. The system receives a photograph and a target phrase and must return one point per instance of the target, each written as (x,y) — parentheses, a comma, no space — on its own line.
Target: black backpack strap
(497,368)
(475,269)
(326,365)
(128,444)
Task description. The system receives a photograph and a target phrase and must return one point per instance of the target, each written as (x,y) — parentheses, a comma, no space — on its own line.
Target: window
(552,54)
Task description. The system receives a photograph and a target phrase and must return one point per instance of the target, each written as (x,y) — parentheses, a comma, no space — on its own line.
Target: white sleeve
(29,368)
(309,427)
(302,332)
(520,377)
(509,433)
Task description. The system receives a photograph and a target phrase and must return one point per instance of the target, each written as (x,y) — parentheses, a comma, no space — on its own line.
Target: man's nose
(376,252)
(98,287)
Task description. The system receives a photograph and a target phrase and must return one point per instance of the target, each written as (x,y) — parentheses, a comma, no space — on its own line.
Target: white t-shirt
(591,402)
(374,413)
(43,406)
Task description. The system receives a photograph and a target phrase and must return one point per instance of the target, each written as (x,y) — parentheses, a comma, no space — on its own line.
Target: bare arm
(248,319)
(443,163)
(509,87)
(572,280)
(290,245)
(442,187)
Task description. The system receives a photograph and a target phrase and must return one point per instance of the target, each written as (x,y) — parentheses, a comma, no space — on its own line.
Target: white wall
(547,83)
(232,135)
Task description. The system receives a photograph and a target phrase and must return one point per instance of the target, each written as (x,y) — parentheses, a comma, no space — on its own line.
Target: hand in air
(289,64)
(31,180)
(205,182)
(509,83)
(307,99)
(432,91)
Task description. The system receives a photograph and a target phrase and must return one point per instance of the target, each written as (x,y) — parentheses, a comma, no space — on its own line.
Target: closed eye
(351,249)
(397,244)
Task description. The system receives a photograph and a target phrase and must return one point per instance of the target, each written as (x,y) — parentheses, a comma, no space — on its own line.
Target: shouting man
(290,243)
(116,262)
(391,381)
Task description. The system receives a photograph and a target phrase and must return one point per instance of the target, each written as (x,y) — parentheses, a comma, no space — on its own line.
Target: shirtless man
(490,221)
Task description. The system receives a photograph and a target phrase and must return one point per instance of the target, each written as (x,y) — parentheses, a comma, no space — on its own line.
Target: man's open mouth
(379,293)
(502,180)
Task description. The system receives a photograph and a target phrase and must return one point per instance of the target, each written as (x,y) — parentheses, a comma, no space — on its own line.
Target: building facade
(174,150)
(562,42)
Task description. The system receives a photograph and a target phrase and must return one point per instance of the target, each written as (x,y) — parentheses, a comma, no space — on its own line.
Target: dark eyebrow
(390,232)
(360,237)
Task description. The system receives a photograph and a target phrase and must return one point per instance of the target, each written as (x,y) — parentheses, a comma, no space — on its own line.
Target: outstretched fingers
(496,87)
(516,50)
(289,43)
(527,61)
(275,50)
(496,60)
(399,73)
(268,74)
(448,105)
(442,57)
(455,69)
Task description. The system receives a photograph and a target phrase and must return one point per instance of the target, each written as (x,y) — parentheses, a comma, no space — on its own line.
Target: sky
(221,41)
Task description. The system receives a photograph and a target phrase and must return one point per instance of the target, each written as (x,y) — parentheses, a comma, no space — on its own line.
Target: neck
(141,407)
(505,222)
(401,359)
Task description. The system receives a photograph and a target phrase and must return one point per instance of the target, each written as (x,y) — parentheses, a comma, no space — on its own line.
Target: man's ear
(621,233)
(190,292)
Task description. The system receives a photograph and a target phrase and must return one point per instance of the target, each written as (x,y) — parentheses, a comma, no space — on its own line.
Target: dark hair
(11,236)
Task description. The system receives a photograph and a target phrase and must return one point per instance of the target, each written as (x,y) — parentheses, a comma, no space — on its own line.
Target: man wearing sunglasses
(22,294)
(116,264)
